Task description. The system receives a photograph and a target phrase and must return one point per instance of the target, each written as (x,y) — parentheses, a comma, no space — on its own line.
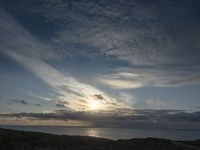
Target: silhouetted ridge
(24,140)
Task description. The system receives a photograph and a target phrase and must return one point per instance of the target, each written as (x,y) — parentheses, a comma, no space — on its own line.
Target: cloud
(154,37)
(136,32)
(130,78)
(68,89)
(22,102)
(19,101)
(157,103)
(133,32)
(38,105)
(61,104)
(98,96)
(64,85)
(159,44)
(121,118)
(121,80)
(11,30)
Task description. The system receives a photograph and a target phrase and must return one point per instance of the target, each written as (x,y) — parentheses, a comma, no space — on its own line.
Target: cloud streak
(131,78)
(157,103)
(11,30)
(77,94)
(120,118)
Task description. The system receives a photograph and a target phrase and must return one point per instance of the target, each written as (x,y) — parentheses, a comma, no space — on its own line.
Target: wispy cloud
(157,103)
(15,39)
(121,84)
(19,101)
(130,78)
(22,102)
(62,104)
(77,94)
(67,87)
(152,35)
(122,80)
(133,31)
(149,38)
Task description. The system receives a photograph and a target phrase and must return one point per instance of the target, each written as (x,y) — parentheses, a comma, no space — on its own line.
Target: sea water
(113,133)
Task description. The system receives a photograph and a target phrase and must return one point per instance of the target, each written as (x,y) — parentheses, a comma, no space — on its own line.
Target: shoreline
(17,140)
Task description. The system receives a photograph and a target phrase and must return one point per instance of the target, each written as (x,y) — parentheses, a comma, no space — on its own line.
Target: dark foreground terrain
(23,140)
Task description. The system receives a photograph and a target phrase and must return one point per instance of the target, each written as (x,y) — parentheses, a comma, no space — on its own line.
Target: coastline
(17,140)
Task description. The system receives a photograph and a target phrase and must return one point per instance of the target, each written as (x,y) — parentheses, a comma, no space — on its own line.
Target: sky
(99,63)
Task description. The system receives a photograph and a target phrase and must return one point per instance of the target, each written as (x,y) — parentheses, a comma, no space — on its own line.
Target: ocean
(113,133)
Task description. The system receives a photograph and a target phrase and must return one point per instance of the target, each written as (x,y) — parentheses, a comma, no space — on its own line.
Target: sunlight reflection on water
(92,132)
(114,133)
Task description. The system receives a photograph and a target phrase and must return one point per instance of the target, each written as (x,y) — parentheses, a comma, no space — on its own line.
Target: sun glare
(94,105)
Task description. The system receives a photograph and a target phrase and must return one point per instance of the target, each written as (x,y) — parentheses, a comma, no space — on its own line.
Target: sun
(94,105)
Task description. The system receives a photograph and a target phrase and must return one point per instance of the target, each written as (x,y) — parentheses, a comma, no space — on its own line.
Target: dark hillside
(23,140)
